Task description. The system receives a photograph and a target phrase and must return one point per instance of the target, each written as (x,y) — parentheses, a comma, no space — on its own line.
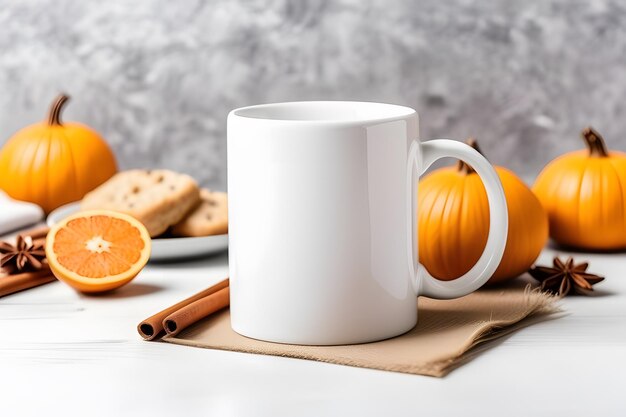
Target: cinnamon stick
(10,284)
(36,233)
(188,315)
(40,241)
(152,327)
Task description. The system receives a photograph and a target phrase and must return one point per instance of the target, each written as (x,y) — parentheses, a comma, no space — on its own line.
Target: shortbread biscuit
(158,198)
(209,217)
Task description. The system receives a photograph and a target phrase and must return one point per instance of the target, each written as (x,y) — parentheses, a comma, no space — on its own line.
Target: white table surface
(62,353)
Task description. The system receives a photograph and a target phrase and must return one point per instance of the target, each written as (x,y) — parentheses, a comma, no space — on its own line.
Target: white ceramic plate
(165,248)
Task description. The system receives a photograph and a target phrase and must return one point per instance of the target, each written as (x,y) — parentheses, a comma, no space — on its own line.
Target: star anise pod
(25,255)
(565,277)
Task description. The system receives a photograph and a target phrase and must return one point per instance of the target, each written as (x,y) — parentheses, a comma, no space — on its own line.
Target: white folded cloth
(17,214)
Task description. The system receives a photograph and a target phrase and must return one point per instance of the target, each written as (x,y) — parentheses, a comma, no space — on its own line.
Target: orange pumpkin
(53,163)
(584,193)
(453,222)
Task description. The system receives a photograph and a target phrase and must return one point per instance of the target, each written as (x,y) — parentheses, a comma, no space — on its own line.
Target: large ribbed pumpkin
(584,193)
(53,163)
(453,218)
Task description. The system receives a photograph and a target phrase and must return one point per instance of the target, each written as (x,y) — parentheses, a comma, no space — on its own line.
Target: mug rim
(271,112)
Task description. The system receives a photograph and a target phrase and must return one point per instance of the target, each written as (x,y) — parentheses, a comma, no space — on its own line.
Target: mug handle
(432,150)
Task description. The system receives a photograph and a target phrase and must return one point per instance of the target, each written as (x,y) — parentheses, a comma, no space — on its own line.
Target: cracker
(210,217)
(158,198)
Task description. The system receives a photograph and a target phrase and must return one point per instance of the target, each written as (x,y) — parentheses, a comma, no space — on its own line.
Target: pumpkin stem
(54,116)
(595,143)
(464,167)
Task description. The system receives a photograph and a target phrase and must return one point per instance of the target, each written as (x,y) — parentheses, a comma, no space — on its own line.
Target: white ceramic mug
(322,221)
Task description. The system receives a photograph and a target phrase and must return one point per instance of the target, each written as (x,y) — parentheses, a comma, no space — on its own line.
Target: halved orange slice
(96,251)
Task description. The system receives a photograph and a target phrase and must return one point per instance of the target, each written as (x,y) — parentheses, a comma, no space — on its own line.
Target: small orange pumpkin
(453,222)
(53,163)
(584,193)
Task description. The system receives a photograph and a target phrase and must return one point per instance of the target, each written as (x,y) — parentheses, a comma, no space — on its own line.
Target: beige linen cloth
(448,333)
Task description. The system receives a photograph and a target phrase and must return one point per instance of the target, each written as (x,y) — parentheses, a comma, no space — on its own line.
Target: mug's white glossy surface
(321,221)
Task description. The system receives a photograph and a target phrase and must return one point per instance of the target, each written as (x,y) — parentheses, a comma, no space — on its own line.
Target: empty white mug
(322,221)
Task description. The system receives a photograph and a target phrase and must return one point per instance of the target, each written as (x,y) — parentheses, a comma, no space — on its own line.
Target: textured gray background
(157,78)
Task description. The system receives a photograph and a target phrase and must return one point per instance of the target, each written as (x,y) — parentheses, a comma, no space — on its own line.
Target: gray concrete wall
(157,78)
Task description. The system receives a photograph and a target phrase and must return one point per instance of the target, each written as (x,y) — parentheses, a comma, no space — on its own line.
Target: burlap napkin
(448,333)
